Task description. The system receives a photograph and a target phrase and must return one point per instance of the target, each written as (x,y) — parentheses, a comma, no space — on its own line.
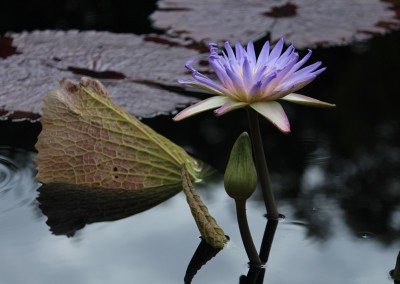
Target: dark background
(115,16)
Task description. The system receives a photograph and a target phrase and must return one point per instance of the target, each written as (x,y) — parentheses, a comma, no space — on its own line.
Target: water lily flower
(258,83)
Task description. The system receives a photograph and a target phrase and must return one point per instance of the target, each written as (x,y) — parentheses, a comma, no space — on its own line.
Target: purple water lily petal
(245,79)
(251,54)
(263,57)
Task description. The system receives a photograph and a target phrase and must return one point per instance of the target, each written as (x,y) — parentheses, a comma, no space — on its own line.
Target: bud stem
(245,233)
(261,164)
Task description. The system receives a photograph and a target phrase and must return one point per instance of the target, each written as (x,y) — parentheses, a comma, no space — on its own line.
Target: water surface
(313,244)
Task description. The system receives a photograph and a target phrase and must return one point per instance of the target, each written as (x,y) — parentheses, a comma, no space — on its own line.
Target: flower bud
(240,177)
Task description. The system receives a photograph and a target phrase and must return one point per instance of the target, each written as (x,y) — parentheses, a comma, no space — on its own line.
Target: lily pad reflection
(70,207)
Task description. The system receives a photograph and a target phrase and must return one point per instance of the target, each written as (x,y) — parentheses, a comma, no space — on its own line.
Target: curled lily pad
(305,23)
(135,68)
(89,140)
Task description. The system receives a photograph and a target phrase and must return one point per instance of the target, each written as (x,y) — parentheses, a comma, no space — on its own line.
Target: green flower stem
(245,233)
(261,164)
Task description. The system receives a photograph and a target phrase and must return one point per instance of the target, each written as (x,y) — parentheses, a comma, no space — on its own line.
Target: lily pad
(89,140)
(136,69)
(305,23)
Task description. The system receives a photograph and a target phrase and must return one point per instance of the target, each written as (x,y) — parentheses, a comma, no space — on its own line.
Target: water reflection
(395,273)
(70,207)
(268,238)
(156,245)
(255,274)
(369,185)
(201,256)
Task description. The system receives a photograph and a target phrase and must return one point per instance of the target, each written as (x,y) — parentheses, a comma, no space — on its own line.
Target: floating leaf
(70,207)
(305,23)
(208,227)
(24,83)
(136,68)
(107,55)
(89,140)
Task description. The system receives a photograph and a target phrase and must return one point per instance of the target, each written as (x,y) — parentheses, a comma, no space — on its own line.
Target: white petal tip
(177,118)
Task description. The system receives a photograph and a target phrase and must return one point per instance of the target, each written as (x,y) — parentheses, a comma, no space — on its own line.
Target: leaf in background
(108,56)
(136,69)
(88,140)
(305,23)
(208,227)
(70,207)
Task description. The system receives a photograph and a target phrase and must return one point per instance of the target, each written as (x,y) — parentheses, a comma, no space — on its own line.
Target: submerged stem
(245,233)
(261,164)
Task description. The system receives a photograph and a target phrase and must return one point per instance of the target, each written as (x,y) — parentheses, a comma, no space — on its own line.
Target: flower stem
(245,233)
(261,165)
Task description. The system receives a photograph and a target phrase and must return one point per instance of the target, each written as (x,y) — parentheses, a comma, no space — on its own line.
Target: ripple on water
(316,151)
(366,235)
(17,179)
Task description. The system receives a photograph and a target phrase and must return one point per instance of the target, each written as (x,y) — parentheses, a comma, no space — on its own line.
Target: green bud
(240,177)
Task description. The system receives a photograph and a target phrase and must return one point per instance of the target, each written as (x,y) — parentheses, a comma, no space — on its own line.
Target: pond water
(336,178)
(317,242)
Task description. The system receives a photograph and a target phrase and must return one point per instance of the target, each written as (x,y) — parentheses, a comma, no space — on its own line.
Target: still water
(313,244)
